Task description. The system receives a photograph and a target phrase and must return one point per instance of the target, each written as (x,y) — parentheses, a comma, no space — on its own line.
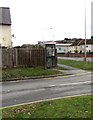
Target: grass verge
(60,68)
(26,72)
(71,107)
(85,65)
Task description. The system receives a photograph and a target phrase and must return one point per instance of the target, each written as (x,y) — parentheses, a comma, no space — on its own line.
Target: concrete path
(68,67)
(72,70)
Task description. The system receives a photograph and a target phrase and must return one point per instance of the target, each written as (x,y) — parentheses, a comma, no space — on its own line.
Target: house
(63,48)
(89,46)
(5,27)
(71,45)
(75,47)
(42,43)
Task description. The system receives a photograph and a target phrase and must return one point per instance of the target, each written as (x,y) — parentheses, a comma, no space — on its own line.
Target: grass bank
(85,65)
(26,72)
(72,107)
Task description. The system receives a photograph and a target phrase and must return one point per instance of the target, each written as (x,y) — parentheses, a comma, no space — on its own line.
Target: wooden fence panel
(37,57)
(17,57)
(7,57)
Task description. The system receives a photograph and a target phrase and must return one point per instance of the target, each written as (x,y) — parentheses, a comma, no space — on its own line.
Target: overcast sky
(92,18)
(32,19)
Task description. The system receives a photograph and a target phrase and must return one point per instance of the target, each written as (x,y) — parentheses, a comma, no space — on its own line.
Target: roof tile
(5,17)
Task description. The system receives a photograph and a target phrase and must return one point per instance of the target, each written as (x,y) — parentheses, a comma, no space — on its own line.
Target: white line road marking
(76,83)
(52,85)
(71,84)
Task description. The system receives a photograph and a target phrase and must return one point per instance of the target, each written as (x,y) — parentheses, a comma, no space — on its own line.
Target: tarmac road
(19,92)
(77,58)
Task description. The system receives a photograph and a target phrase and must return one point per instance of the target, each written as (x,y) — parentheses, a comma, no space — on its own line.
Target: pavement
(71,70)
(68,67)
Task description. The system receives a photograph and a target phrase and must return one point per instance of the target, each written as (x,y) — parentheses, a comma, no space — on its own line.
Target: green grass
(60,68)
(72,107)
(26,72)
(85,65)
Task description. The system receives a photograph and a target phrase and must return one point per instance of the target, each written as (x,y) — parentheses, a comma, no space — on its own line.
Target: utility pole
(85,32)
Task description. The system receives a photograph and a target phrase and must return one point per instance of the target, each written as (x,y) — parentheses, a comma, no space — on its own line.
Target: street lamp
(53,34)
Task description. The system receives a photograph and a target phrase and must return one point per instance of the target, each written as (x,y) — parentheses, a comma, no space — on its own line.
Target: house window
(59,48)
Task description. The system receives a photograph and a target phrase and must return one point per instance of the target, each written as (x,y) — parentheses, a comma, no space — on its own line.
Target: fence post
(16,55)
(45,53)
(13,63)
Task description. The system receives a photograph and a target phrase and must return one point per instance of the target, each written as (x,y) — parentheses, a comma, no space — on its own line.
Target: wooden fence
(16,57)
